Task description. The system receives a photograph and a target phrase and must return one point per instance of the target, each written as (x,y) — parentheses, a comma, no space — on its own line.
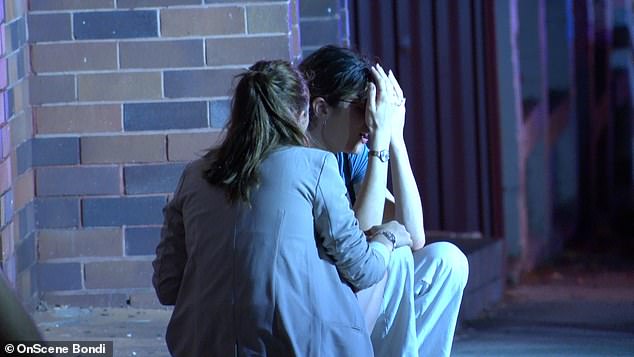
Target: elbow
(368,281)
(367,275)
(418,242)
(166,296)
(166,289)
(165,299)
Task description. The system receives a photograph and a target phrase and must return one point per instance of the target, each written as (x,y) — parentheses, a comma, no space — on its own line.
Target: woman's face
(345,128)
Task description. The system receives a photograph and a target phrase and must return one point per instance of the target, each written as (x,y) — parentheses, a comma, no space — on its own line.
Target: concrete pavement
(554,312)
(557,313)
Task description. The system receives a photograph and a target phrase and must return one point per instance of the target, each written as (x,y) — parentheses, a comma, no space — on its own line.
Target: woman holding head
(357,111)
(259,249)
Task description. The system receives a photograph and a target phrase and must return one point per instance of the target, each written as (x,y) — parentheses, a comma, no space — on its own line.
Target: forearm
(370,202)
(408,208)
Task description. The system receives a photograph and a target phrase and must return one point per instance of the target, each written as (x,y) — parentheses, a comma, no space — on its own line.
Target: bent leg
(395,331)
(440,276)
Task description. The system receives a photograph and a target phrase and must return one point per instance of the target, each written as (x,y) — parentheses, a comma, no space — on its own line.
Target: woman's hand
(398,120)
(382,106)
(401,234)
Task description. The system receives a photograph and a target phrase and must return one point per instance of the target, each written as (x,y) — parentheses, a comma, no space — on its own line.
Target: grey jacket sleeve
(357,262)
(171,254)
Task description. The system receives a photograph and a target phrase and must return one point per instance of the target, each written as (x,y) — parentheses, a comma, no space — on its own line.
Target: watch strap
(383,155)
(391,237)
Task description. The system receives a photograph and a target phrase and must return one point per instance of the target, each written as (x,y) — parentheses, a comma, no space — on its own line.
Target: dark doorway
(444,57)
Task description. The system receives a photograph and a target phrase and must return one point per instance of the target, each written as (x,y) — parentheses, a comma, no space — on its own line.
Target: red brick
(123,149)
(145,299)
(46,5)
(268,18)
(189,146)
(162,54)
(4,110)
(20,99)
(4,74)
(202,21)
(81,299)
(7,242)
(154,3)
(24,286)
(50,27)
(78,119)
(5,174)
(118,274)
(13,61)
(119,86)
(21,129)
(246,50)
(23,190)
(6,140)
(52,89)
(63,57)
(13,9)
(6,207)
(71,243)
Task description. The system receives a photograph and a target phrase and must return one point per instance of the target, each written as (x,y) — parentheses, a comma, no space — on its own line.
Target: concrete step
(486,282)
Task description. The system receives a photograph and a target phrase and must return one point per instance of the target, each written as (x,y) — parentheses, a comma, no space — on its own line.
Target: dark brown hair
(265,111)
(337,73)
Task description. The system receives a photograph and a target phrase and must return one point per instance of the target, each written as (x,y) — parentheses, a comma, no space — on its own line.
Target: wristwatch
(383,155)
(391,237)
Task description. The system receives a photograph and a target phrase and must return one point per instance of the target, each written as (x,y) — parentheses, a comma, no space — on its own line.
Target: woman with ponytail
(259,252)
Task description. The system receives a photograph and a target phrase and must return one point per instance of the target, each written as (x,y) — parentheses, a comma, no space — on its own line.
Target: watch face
(383,155)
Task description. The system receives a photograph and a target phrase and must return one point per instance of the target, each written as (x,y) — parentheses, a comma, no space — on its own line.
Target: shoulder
(194,172)
(308,163)
(300,156)
(196,167)
(191,175)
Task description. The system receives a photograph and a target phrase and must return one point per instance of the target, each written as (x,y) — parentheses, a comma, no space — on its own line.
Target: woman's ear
(320,108)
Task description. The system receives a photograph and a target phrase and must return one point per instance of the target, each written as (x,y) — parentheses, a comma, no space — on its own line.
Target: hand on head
(398,119)
(385,109)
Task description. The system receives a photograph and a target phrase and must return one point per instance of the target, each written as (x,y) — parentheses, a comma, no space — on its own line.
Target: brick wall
(16,126)
(105,102)
(323,22)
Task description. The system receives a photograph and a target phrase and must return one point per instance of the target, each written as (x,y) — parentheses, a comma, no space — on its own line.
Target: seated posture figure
(260,251)
(357,111)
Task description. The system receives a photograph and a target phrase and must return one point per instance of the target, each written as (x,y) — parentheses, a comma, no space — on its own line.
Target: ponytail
(265,110)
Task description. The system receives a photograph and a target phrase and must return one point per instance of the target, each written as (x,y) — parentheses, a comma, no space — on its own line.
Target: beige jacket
(275,279)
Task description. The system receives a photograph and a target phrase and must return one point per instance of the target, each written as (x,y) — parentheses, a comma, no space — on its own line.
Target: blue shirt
(352,168)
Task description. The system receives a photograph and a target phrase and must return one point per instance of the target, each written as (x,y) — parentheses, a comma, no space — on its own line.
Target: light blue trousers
(418,310)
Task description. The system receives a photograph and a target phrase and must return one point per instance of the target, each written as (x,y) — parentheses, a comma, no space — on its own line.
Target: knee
(402,260)
(453,261)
